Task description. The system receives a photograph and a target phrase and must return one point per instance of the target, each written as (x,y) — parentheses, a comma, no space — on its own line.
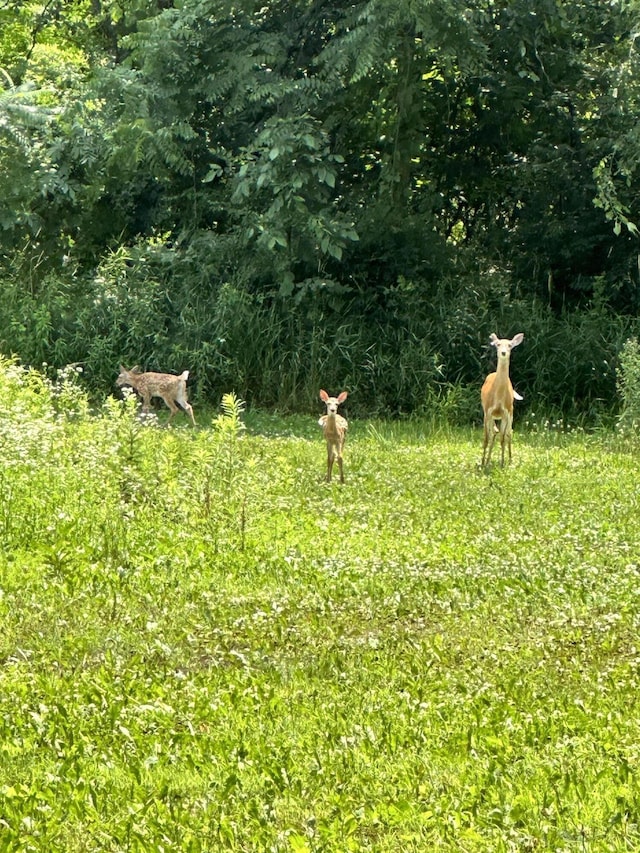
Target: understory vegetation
(204,646)
(413,350)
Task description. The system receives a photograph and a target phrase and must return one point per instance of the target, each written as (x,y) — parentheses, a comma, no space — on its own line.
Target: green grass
(204,646)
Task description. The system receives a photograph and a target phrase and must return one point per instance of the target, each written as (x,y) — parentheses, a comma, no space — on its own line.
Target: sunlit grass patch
(205,646)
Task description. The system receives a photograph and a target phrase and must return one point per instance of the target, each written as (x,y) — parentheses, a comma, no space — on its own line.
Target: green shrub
(413,347)
(628,383)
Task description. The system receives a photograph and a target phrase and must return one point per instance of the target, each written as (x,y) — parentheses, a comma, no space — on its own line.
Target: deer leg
(485,443)
(509,434)
(329,464)
(502,443)
(173,408)
(185,406)
(505,437)
(489,438)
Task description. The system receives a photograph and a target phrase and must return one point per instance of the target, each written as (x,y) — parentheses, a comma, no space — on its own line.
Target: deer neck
(331,426)
(502,389)
(502,372)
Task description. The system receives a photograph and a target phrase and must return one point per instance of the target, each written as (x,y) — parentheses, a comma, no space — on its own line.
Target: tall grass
(204,646)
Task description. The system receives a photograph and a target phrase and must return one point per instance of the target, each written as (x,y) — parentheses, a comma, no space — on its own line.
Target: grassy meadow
(205,647)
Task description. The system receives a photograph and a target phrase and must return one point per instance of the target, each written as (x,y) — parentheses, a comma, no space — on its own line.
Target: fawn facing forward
(497,397)
(172,389)
(334,428)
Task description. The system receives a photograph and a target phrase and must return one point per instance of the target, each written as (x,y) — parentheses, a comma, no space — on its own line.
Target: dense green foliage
(629,386)
(279,194)
(206,647)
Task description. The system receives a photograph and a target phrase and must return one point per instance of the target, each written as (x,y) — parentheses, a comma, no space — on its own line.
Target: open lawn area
(205,647)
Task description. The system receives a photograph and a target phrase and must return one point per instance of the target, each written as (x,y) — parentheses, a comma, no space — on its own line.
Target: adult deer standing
(172,389)
(497,397)
(334,427)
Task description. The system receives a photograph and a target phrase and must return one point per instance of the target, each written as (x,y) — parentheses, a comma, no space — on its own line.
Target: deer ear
(324,396)
(517,339)
(342,397)
(493,339)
